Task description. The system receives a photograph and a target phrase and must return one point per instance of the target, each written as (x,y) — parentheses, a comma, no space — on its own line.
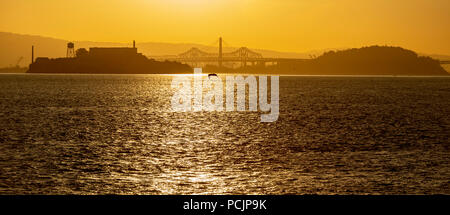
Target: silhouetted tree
(81,52)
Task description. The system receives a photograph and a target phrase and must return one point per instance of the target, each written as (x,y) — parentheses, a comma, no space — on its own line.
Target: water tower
(70,50)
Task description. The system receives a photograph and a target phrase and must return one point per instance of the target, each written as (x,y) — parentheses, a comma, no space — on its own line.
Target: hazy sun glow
(192,3)
(285,25)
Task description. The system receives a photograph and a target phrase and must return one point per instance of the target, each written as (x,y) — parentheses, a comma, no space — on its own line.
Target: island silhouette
(113,60)
(372,60)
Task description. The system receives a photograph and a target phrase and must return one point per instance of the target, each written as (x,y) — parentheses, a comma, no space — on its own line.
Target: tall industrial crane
(18,61)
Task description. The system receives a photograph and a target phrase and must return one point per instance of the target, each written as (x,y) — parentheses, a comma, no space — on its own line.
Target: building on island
(107,60)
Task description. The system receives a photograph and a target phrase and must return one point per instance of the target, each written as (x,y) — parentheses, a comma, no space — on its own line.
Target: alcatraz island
(105,60)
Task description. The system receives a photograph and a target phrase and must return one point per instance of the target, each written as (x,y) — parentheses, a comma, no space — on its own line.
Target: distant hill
(13,46)
(373,60)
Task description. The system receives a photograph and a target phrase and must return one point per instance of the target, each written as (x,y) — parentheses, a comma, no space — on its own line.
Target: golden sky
(284,25)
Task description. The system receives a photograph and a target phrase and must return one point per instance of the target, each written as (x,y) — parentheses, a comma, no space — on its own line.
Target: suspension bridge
(243,56)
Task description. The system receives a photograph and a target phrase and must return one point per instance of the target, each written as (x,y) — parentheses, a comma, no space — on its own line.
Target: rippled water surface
(116,134)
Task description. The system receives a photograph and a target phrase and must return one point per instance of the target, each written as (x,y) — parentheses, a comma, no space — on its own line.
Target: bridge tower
(70,50)
(32,54)
(220,52)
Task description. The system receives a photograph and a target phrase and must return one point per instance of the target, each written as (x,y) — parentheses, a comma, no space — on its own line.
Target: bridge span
(242,56)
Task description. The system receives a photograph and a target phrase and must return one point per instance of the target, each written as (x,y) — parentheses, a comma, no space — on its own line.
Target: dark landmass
(15,69)
(374,60)
(107,61)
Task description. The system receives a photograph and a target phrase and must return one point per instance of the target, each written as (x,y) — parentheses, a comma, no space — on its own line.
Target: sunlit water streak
(102,134)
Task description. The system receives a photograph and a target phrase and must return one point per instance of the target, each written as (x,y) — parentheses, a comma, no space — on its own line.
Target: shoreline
(222,74)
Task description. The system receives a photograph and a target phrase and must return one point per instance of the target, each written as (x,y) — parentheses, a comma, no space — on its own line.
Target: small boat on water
(212,75)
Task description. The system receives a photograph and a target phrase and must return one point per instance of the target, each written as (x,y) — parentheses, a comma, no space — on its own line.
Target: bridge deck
(231,59)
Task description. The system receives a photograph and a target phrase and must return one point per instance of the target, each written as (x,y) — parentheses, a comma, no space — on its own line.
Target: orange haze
(285,25)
